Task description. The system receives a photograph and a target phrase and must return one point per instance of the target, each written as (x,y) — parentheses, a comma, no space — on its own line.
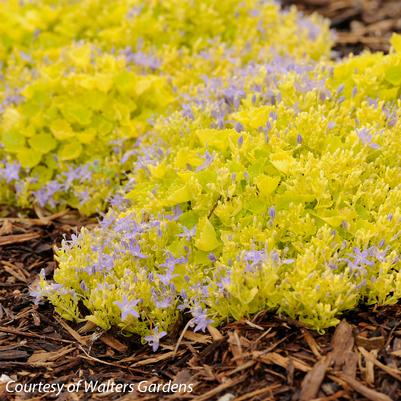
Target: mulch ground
(266,358)
(360,24)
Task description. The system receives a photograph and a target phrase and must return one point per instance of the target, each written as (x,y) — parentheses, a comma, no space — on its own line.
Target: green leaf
(206,239)
(70,151)
(76,113)
(13,141)
(29,157)
(42,143)
(393,75)
(61,129)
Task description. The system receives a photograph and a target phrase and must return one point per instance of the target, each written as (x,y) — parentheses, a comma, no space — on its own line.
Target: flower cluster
(278,188)
(81,81)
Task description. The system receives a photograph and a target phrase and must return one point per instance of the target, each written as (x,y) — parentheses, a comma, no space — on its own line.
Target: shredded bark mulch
(359,24)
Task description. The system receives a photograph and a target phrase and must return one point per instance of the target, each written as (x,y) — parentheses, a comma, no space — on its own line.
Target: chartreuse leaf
(11,118)
(393,75)
(266,184)
(29,157)
(61,129)
(180,195)
(75,112)
(80,56)
(86,136)
(69,151)
(12,141)
(206,239)
(218,139)
(396,42)
(283,162)
(43,143)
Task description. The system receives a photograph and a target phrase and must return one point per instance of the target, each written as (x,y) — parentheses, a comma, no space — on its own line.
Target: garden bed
(266,358)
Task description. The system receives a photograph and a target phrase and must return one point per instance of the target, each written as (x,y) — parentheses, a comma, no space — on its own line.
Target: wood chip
(158,358)
(370,343)
(350,364)
(215,333)
(224,386)
(342,343)
(370,394)
(41,358)
(313,379)
(17,238)
(258,392)
(10,355)
(370,371)
(391,371)
(112,342)
(74,334)
(235,347)
(314,347)
(197,337)
(277,359)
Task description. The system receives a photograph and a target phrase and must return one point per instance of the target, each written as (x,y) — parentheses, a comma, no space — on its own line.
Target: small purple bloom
(200,319)
(253,259)
(340,89)
(11,171)
(154,339)
(359,259)
(208,161)
(36,292)
(164,303)
(127,307)
(187,111)
(135,249)
(366,138)
(273,115)
(188,233)
(272,212)
(212,257)
(239,127)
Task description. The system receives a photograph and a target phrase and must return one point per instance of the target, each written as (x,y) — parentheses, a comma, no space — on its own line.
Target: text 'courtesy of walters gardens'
(99,387)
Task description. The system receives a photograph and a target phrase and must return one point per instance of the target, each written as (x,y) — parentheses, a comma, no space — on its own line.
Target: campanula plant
(278,189)
(82,81)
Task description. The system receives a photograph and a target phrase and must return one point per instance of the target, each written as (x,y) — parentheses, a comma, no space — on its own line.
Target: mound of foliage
(283,194)
(82,81)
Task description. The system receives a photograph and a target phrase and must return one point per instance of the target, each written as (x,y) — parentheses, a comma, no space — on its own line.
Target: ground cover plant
(284,196)
(251,172)
(82,81)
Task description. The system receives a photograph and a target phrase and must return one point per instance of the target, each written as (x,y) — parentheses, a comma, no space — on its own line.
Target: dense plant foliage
(283,194)
(270,179)
(81,81)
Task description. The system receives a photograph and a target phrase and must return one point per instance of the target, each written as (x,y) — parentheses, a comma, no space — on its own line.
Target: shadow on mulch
(266,358)
(359,24)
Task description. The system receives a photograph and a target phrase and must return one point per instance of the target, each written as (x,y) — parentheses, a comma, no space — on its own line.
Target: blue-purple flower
(127,307)
(154,339)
